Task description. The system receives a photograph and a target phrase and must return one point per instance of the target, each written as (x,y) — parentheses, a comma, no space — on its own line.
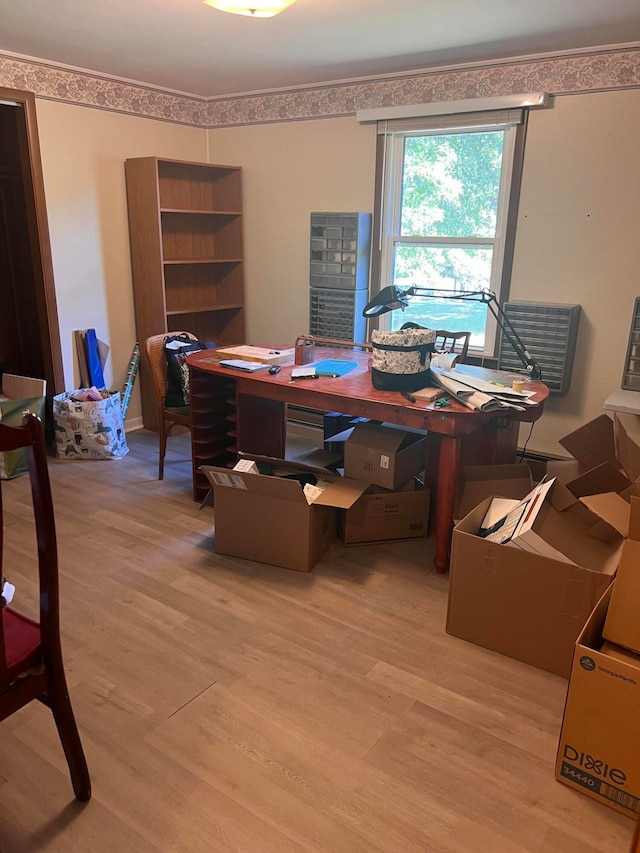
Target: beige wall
(290,170)
(578,228)
(83,154)
(577,240)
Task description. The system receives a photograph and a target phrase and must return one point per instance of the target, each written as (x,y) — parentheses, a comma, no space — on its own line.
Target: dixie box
(599,749)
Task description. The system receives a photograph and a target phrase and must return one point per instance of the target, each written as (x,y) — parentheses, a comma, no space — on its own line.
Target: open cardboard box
(19,394)
(21,387)
(622,625)
(525,605)
(382,516)
(478,482)
(599,748)
(605,459)
(268,519)
(384,455)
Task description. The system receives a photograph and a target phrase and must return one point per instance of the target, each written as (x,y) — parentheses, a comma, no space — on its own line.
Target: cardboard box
(618,652)
(476,483)
(268,519)
(608,459)
(599,749)
(522,604)
(380,516)
(22,387)
(622,625)
(383,456)
(18,395)
(245,352)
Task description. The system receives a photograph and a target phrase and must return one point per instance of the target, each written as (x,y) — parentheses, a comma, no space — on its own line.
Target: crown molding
(593,70)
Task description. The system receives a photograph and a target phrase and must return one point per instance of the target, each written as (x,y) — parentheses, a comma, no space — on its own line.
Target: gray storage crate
(548,332)
(340,250)
(338,314)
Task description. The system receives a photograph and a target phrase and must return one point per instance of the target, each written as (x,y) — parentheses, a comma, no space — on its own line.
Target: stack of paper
(477,393)
(517,525)
(247,366)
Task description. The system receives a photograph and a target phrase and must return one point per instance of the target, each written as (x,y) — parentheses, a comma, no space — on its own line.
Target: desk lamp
(393,297)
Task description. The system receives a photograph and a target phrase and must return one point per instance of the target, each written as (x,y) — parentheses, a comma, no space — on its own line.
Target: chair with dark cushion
(168,418)
(30,652)
(453,342)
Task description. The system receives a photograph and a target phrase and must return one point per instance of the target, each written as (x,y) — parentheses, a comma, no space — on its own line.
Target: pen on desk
(499,384)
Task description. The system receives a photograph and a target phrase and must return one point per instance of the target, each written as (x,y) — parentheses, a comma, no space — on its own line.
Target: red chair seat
(21,642)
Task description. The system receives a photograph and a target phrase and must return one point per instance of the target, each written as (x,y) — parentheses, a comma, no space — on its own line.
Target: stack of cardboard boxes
(569,603)
(376,500)
(548,601)
(532,606)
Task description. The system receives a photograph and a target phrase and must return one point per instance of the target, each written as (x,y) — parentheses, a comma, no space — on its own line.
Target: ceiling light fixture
(252,8)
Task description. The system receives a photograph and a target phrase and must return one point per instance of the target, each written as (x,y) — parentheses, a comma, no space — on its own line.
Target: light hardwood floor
(233,706)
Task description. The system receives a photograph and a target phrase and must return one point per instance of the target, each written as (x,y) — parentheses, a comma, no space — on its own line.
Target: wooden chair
(454,342)
(168,418)
(30,654)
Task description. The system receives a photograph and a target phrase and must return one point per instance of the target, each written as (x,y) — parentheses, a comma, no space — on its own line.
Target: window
(447,215)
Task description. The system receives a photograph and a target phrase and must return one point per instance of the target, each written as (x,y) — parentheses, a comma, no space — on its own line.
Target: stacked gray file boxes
(339,280)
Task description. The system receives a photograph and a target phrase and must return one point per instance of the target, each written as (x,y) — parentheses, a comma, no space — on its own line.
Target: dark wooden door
(29,332)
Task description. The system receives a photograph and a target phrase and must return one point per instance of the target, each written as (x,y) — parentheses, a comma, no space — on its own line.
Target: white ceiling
(186,46)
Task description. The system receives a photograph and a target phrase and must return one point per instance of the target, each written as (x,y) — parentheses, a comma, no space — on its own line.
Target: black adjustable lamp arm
(394,297)
(535,371)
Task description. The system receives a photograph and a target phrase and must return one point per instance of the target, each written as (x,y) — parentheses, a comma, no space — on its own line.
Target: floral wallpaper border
(601,70)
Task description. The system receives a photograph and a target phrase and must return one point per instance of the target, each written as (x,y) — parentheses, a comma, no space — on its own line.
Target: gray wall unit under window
(339,274)
(549,332)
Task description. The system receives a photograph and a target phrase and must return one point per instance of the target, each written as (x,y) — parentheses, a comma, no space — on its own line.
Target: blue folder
(93,358)
(334,367)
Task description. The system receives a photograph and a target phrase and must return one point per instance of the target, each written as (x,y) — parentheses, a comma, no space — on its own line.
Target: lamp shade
(252,8)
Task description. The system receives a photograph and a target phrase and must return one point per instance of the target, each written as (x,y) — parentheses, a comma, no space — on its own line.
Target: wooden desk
(234,411)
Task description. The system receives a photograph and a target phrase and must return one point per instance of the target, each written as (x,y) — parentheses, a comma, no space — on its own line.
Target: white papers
(247,466)
(463,388)
(306,372)
(520,518)
(466,395)
(247,366)
(8,591)
(313,492)
(492,388)
(499,508)
(444,360)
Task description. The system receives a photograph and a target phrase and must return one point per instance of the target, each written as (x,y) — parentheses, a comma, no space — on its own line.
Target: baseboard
(302,415)
(132,424)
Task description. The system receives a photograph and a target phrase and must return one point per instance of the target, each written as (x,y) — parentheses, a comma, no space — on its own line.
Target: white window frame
(395,134)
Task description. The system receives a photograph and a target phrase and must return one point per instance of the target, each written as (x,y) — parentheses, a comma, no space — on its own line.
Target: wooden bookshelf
(187,257)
